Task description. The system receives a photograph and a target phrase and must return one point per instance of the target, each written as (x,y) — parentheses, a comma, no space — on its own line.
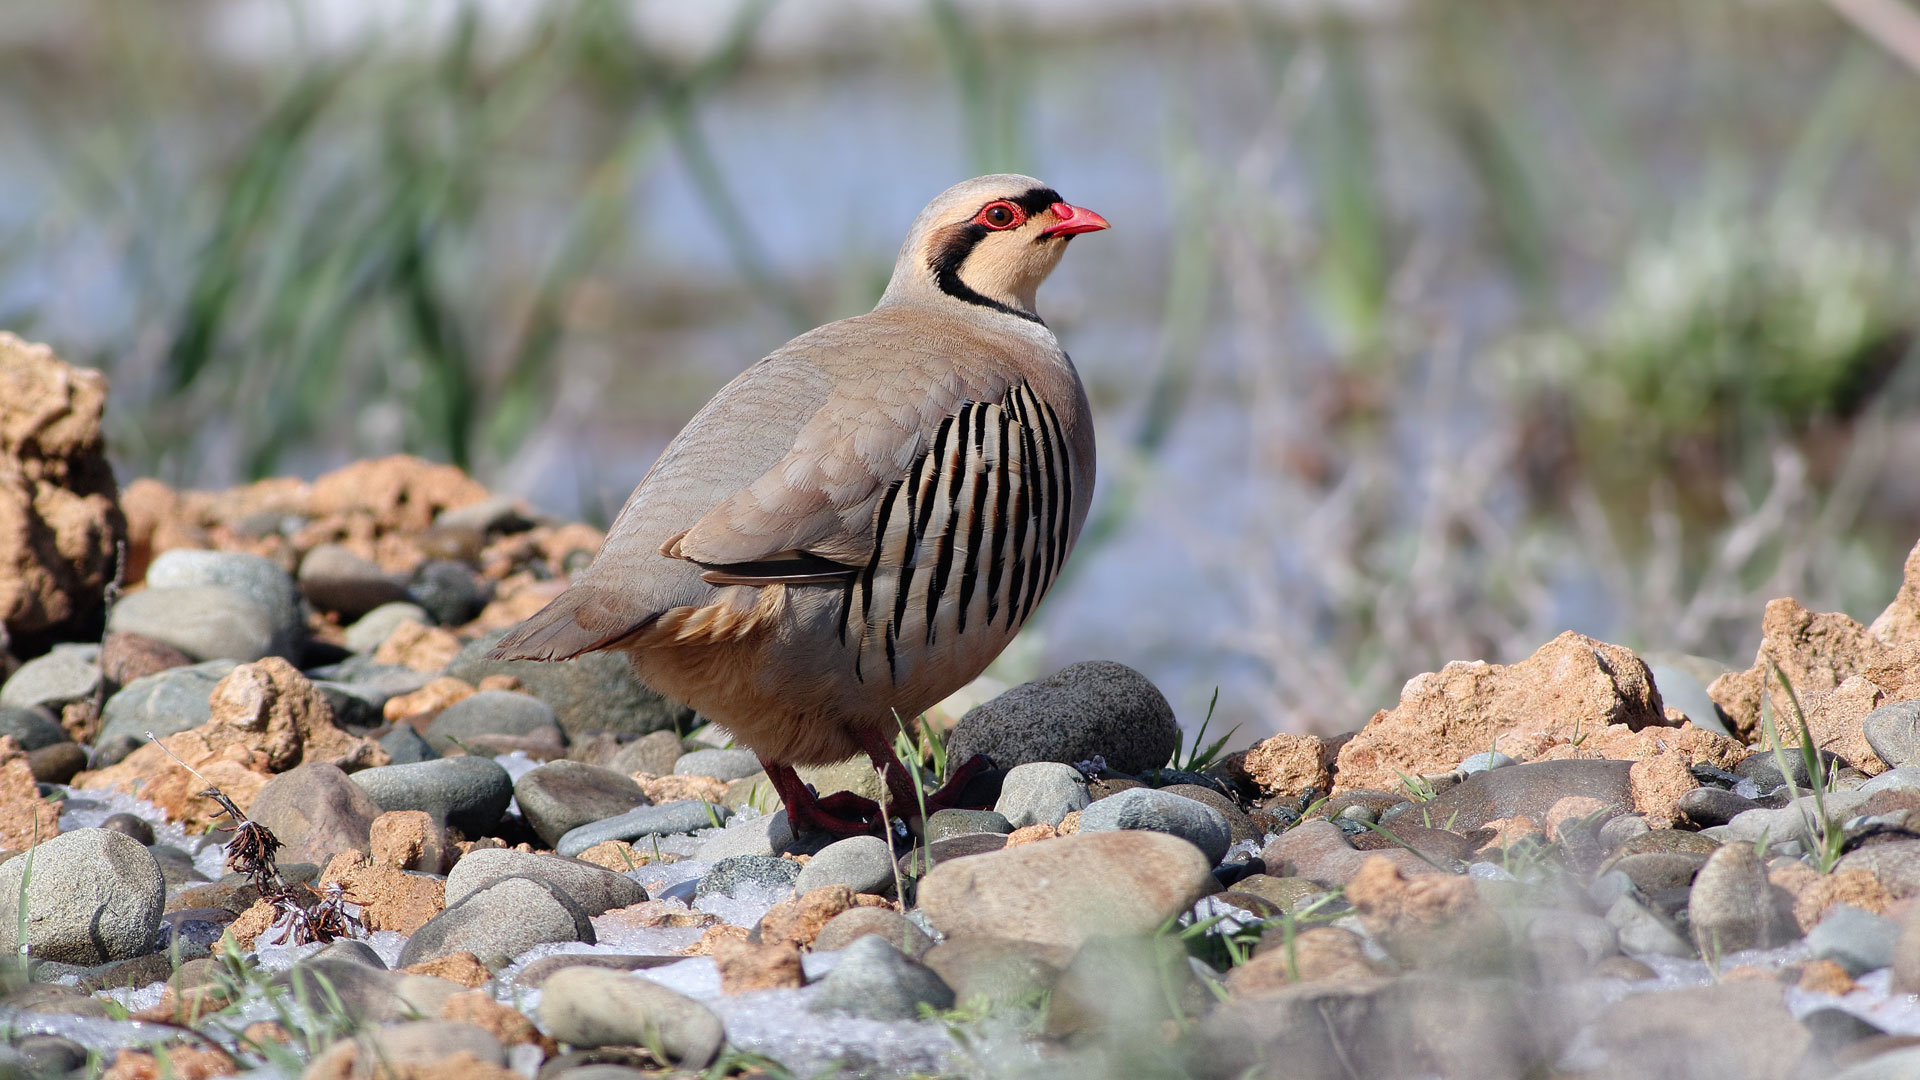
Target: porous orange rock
(389,899)
(1818,653)
(1571,683)
(1825,977)
(184,1062)
(1312,954)
(799,921)
(1284,764)
(1429,920)
(1899,624)
(422,648)
(400,493)
(676,788)
(461,967)
(1814,894)
(1658,782)
(420,706)
(60,523)
(267,718)
(1574,808)
(508,1025)
(746,966)
(408,840)
(1032,834)
(709,941)
(25,818)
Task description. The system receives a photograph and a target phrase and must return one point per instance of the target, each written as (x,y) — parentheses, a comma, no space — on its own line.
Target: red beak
(1073,221)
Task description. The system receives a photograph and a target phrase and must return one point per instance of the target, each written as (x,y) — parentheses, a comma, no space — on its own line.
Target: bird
(856,525)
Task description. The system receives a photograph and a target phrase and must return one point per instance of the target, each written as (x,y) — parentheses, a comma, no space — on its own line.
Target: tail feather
(581,620)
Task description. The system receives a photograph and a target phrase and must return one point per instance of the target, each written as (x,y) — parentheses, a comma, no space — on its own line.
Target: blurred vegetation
(1520,315)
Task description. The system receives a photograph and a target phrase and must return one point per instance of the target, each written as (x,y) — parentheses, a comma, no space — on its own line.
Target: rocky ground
(1581,865)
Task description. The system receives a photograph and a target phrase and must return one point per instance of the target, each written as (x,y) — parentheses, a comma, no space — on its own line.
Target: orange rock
(510,683)
(390,899)
(652,913)
(719,932)
(1900,623)
(674,788)
(422,648)
(505,1024)
(246,929)
(746,966)
(1658,783)
(1817,653)
(341,1061)
(398,493)
(1285,764)
(1573,808)
(419,707)
(1617,742)
(25,818)
(1427,920)
(461,967)
(560,541)
(1032,834)
(60,525)
(616,855)
(1315,953)
(1070,824)
(1814,893)
(1825,977)
(1572,683)
(262,1032)
(184,1062)
(267,718)
(799,921)
(408,840)
(1508,831)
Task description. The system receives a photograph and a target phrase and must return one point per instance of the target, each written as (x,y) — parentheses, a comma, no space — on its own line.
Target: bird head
(989,241)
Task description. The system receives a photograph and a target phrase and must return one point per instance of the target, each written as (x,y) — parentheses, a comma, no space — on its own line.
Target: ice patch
(136,998)
(747,905)
(387,944)
(671,881)
(88,809)
(1486,871)
(91,1031)
(1242,851)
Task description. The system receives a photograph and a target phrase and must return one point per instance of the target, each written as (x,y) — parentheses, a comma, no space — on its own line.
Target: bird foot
(950,794)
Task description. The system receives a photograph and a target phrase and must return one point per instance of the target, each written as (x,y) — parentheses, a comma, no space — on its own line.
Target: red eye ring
(1000,214)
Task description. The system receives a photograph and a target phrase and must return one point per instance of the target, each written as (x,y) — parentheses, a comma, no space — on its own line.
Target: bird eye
(1000,215)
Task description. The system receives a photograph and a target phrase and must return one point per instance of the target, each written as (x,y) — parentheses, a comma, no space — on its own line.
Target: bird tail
(580,620)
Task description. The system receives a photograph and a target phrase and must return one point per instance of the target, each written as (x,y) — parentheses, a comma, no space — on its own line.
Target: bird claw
(948,797)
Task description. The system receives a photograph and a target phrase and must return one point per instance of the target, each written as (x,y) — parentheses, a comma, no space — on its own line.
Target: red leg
(806,813)
(948,797)
(900,789)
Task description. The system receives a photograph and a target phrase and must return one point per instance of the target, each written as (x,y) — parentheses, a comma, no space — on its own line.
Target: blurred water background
(1424,331)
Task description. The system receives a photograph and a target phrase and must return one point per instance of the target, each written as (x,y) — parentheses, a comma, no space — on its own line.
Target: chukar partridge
(858,524)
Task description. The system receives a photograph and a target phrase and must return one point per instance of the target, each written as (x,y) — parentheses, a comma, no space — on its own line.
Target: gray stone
(489,712)
(1857,940)
(495,513)
(1793,821)
(1093,709)
(256,577)
(588,1006)
(1004,972)
(665,819)
(1484,760)
(333,578)
(1894,733)
(207,622)
(192,932)
(376,626)
(95,896)
(468,793)
(1157,811)
(561,796)
(137,827)
(769,834)
(417,1044)
(367,995)
(596,692)
(406,746)
(858,922)
(1528,789)
(449,591)
(1040,793)
(1619,830)
(1903,778)
(1710,806)
(1733,907)
(1892,1065)
(1642,931)
(862,863)
(596,889)
(167,703)
(31,728)
(759,871)
(1733,1029)
(944,823)
(876,981)
(317,812)
(855,774)
(719,764)
(1652,871)
(1896,864)
(1064,891)
(654,753)
(500,922)
(67,674)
